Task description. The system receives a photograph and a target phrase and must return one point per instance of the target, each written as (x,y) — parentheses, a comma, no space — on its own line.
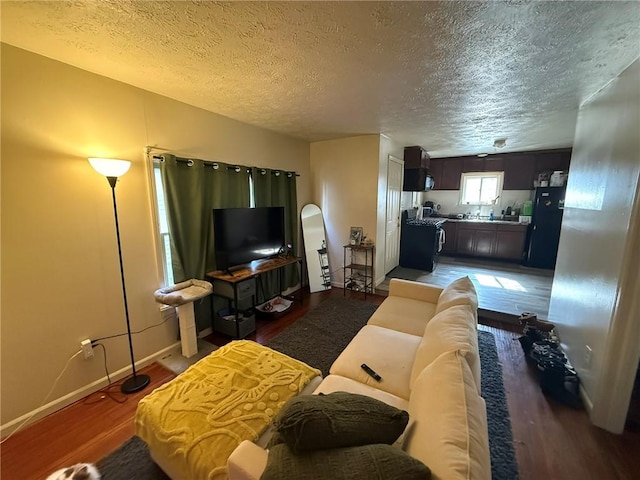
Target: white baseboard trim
(79,394)
(588,404)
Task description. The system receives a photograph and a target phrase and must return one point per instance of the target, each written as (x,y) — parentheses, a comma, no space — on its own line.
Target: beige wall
(345,187)
(60,276)
(595,244)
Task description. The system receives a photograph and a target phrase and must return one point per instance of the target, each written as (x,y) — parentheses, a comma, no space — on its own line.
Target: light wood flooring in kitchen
(504,289)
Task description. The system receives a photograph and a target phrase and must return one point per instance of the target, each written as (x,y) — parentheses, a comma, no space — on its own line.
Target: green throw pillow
(366,461)
(336,420)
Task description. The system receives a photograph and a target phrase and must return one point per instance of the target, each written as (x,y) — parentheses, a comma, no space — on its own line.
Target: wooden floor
(502,287)
(552,441)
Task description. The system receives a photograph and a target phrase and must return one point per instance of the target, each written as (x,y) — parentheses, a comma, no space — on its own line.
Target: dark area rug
(317,339)
(503,457)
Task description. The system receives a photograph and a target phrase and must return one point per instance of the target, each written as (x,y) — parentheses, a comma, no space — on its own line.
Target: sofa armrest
(247,462)
(415,290)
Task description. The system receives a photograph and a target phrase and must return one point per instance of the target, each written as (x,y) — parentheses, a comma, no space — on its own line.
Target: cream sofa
(423,342)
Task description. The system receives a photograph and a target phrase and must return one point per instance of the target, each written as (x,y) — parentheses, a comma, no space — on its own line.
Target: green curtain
(192,190)
(276,188)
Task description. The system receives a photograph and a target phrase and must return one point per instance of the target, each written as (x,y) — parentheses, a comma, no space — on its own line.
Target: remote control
(371,372)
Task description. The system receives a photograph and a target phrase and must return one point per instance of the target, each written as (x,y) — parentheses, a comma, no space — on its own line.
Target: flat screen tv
(242,235)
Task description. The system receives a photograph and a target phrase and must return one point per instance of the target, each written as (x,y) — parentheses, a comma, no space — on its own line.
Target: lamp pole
(112,169)
(136,382)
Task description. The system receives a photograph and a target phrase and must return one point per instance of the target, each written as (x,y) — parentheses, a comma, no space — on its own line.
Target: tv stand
(243,273)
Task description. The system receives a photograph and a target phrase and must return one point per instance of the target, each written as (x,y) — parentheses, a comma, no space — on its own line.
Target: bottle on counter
(491,214)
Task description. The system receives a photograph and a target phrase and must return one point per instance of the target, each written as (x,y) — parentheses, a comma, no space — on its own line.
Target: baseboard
(586,401)
(79,394)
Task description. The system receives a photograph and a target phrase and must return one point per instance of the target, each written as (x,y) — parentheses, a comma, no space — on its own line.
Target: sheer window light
(481,188)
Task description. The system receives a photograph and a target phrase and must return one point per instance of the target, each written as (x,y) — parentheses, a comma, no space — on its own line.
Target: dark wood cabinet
(520,168)
(553,161)
(485,239)
(435,169)
(500,241)
(416,157)
(446,173)
(519,172)
(472,164)
(493,164)
(510,242)
(451,171)
(450,239)
(465,242)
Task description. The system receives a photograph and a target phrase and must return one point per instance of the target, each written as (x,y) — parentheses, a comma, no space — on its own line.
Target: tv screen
(242,235)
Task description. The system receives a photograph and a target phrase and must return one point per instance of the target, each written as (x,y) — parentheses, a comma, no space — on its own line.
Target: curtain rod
(215,165)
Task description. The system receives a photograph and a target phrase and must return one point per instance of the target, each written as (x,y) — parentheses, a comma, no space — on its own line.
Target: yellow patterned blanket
(195,421)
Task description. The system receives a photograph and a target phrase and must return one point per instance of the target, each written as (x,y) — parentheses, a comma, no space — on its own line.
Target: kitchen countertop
(482,220)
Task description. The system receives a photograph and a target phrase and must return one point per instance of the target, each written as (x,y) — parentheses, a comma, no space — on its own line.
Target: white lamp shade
(110,167)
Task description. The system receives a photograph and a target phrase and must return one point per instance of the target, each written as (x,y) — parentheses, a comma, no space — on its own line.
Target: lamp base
(135,384)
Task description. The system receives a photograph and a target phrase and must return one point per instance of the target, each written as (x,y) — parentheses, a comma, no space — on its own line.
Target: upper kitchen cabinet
(446,173)
(416,157)
(472,164)
(520,168)
(552,161)
(519,172)
(482,164)
(417,177)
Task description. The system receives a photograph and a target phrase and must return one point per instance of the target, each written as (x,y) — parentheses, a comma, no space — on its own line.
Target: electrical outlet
(588,353)
(87,349)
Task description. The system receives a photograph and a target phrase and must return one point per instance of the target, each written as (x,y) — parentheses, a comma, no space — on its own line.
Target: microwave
(417,180)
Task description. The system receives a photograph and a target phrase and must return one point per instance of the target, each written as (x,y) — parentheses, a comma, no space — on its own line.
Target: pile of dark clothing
(558,379)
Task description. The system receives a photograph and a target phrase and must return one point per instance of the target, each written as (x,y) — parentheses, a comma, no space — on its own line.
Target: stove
(420,241)
(430,222)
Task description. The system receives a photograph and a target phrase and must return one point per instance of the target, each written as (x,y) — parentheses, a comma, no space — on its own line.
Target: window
(163,226)
(481,188)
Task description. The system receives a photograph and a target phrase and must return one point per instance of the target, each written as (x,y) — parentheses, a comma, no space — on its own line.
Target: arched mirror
(315,245)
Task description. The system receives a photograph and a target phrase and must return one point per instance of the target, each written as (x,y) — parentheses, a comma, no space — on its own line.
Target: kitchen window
(481,188)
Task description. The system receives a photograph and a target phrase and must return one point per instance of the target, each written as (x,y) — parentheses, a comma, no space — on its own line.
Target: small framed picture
(355,236)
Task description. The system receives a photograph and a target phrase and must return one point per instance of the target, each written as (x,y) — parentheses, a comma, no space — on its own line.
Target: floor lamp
(112,169)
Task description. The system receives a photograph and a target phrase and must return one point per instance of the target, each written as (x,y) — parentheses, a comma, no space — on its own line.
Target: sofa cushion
(458,292)
(337,383)
(449,421)
(403,314)
(367,461)
(338,420)
(423,292)
(387,352)
(453,329)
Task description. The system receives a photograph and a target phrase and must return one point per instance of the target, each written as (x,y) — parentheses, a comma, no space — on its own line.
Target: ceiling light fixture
(500,143)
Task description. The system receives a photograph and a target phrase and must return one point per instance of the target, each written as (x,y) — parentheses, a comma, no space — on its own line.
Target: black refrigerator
(544,231)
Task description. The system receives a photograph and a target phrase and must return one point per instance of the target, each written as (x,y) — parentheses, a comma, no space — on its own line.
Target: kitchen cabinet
(520,168)
(510,242)
(435,169)
(472,164)
(493,164)
(450,232)
(451,172)
(553,161)
(484,239)
(519,172)
(416,157)
(446,173)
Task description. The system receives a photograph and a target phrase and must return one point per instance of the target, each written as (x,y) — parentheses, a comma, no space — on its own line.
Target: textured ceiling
(450,76)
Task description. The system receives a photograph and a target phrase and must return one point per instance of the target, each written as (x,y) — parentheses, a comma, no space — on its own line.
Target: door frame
(400,162)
